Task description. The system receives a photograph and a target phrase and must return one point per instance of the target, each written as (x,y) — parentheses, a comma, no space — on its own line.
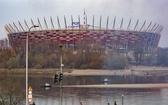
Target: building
(124,36)
(4,44)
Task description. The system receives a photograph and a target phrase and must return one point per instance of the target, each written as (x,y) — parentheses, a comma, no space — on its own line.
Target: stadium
(110,33)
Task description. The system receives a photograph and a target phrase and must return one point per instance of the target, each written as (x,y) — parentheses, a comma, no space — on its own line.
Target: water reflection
(89,80)
(73,96)
(95,96)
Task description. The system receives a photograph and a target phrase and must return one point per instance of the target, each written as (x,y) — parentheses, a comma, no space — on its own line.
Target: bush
(12,63)
(38,66)
(41,60)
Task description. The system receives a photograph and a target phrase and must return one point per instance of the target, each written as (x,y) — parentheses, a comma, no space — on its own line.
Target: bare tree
(11,92)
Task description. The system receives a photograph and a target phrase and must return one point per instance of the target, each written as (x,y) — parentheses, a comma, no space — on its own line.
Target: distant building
(4,44)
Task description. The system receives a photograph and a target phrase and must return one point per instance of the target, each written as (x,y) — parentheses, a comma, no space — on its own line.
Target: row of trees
(85,56)
(78,60)
(81,59)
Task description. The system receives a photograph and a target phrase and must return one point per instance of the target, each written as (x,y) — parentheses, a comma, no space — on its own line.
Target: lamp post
(61,89)
(27,38)
(61,59)
(122,99)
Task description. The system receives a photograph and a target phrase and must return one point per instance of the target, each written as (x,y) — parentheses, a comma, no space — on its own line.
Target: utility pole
(61,76)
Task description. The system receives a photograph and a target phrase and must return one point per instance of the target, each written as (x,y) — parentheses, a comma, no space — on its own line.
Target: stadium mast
(84,22)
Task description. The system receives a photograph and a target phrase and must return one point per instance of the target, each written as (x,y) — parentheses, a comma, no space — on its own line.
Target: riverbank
(135,70)
(121,86)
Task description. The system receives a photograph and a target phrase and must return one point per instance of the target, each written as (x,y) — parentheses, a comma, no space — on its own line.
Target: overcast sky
(149,10)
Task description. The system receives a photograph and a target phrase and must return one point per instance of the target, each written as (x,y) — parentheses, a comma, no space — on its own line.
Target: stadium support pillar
(72,22)
(86,21)
(148,26)
(128,27)
(79,21)
(21,26)
(136,25)
(65,22)
(100,22)
(152,27)
(93,22)
(15,27)
(107,22)
(143,25)
(12,28)
(114,23)
(59,26)
(39,23)
(155,28)
(121,23)
(52,22)
(45,23)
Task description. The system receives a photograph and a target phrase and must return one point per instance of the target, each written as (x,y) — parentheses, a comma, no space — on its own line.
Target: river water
(96,96)
(72,96)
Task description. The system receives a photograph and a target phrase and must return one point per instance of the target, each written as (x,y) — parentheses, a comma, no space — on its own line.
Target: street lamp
(27,38)
(61,58)
(122,99)
(61,90)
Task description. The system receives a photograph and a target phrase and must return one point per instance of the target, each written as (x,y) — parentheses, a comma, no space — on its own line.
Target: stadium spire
(84,18)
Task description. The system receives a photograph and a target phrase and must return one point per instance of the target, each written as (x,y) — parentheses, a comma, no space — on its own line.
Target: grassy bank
(30,71)
(140,71)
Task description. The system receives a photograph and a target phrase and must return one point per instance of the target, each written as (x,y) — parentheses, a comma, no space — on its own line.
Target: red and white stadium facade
(146,35)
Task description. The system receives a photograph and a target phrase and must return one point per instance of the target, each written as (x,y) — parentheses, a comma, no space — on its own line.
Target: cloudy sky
(149,10)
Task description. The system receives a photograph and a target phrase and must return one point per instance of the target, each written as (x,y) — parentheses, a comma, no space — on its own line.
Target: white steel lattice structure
(135,33)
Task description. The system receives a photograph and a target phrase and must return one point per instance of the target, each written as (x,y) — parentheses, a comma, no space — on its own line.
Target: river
(97,96)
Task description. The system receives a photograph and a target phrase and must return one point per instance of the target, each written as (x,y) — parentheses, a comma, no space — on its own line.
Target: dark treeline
(85,56)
